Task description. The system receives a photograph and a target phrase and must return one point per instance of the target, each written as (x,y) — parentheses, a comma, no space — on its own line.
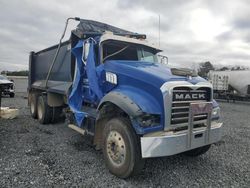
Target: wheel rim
(39,111)
(116,148)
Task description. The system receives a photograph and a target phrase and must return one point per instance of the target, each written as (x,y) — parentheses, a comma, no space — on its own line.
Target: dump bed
(60,78)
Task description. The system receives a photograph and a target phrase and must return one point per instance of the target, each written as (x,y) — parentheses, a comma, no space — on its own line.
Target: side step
(78,129)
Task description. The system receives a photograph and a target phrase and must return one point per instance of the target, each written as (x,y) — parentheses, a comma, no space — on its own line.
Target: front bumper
(168,143)
(8,91)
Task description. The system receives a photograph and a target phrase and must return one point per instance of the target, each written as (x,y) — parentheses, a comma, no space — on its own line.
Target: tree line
(207,66)
(203,70)
(16,73)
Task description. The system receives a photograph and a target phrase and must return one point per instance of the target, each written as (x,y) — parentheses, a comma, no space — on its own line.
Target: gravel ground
(34,155)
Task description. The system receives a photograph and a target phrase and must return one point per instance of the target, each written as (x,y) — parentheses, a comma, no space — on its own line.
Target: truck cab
(133,105)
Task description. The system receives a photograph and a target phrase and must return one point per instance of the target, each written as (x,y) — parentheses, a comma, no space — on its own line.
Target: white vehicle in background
(231,84)
(6,86)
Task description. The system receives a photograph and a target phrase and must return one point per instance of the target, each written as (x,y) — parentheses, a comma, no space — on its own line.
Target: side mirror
(85,52)
(163,59)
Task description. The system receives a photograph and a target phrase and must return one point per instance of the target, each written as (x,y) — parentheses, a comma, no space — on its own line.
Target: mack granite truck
(110,85)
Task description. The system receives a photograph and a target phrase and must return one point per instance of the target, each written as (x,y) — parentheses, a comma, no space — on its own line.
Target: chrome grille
(6,86)
(182,97)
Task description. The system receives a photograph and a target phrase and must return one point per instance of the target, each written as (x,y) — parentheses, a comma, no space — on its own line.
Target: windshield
(114,50)
(2,78)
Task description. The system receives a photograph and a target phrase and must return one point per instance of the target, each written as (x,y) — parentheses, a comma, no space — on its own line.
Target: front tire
(121,148)
(197,151)
(43,110)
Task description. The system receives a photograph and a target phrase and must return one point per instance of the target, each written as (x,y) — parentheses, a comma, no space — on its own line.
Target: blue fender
(134,102)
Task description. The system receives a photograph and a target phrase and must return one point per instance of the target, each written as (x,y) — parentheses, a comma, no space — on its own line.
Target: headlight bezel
(149,120)
(215,113)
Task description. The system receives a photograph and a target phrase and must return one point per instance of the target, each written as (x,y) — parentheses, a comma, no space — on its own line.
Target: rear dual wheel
(43,110)
(39,109)
(33,105)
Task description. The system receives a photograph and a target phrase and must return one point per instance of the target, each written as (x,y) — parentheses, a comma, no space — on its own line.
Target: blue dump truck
(110,84)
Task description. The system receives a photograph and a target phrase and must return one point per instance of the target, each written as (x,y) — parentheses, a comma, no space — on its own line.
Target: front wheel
(121,148)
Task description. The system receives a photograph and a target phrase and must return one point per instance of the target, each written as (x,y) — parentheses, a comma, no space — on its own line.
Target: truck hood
(154,73)
(5,82)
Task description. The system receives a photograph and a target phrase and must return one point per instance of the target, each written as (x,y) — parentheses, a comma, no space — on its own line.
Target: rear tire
(43,110)
(197,151)
(121,148)
(33,105)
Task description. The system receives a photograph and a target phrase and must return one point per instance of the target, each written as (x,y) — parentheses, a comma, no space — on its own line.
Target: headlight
(216,113)
(149,120)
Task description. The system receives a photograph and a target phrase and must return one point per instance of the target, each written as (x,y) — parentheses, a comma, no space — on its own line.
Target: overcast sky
(191,30)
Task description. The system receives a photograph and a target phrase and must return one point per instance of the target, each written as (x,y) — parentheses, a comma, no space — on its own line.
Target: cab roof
(110,36)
